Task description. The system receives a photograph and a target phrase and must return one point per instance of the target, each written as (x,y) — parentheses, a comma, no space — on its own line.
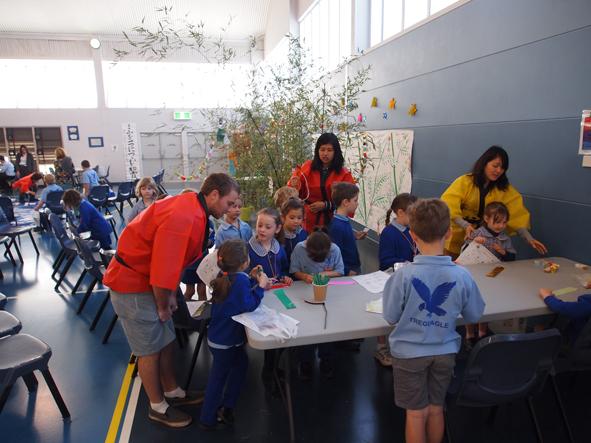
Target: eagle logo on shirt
(432,301)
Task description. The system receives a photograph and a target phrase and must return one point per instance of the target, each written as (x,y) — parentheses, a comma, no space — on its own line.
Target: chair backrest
(58,228)
(158,177)
(507,367)
(125,190)
(85,253)
(98,195)
(54,202)
(7,209)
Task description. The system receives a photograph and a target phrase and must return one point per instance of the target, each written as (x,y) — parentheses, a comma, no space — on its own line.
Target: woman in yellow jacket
(470,193)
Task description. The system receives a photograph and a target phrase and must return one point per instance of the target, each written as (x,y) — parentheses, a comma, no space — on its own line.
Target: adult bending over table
(315,178)
(144,276)
(470,193)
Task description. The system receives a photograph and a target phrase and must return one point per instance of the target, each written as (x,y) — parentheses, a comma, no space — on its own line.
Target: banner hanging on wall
(131,147)
(585,137)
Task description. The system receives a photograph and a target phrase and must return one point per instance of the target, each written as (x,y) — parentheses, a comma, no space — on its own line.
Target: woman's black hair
(478,169)
(328,138)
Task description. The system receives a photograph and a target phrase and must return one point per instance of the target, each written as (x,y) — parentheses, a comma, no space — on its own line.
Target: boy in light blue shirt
(316,255)
(232,226)
(424,300)
(89,179)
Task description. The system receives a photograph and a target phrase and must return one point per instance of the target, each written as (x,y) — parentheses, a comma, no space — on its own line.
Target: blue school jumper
(226,339)
(292,239)
(92,220)
(396,245)
(341,233)
(274,262)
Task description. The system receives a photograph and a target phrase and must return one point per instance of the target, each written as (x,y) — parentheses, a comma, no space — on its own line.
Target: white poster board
(131,148)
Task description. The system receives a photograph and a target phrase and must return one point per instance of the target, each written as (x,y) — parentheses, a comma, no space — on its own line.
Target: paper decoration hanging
(360,117)
(392,104)
(374,102)
(412,110)
(385,116)
(342,101)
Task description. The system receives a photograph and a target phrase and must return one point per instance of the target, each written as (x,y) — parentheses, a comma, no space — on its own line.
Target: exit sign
(182,115)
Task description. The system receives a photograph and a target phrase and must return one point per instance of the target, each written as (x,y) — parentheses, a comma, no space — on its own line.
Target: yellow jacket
(463,196)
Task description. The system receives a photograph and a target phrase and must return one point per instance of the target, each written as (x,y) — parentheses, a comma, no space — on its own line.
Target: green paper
(284,299)
(564,291)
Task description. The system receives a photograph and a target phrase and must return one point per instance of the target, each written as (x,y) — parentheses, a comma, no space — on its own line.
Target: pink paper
(341,282)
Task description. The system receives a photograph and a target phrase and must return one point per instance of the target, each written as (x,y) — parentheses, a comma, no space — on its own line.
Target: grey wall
(513,73)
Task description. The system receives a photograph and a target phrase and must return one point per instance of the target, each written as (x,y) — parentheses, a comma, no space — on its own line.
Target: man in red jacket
(143,277)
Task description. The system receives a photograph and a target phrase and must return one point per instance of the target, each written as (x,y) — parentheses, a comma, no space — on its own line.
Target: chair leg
(534,419)
(110,329)
(4,396)
(58,260)
(446,423)
(202,333)
(561,407)
(86,296)
(79,282)
(64,272)
(99,313)
(33,241)
(58,263)
(31,381)
(56,393)
(18,250)
(9,253)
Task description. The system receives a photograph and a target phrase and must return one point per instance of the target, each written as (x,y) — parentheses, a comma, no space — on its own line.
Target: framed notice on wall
(131,149)
(585,137)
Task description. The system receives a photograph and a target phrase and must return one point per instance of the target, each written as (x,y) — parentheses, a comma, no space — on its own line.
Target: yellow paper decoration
(392,104)
(412,110)
(374,102)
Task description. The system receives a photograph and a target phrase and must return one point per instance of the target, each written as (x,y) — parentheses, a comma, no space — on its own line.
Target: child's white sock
(160,407)
(176,393)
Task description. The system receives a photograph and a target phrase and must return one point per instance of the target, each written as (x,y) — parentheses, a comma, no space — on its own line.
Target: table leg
(285,389)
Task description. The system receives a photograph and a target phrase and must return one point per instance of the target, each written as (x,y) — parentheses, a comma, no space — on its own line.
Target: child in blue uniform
(234,292)
(292,215)
(345,198)
(264,247)
(396,246)
(90,218)
(424,301)
(264,250)
(232,226)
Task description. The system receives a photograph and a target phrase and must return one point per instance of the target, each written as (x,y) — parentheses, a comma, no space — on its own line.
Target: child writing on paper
(234,292)
(492,232)
(396,246)
(316,255)
(424,300)
(493,236)
(292,216)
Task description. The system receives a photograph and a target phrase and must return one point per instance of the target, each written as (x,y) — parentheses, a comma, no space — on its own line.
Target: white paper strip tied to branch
(267,321)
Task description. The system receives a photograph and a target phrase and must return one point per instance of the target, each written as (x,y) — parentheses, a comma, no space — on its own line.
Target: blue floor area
(88,373)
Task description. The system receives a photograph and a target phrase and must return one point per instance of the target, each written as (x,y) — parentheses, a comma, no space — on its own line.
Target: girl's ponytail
(232,255)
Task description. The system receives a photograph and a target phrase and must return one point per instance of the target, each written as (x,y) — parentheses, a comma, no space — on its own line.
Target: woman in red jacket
(315,177)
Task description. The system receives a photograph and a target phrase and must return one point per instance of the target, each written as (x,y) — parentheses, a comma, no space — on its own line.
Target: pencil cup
(320,292)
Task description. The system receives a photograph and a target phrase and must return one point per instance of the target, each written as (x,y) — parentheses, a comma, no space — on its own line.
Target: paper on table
(208,269)
(340,282)
(475,254)
(375,306)
(373,282)
(267,321)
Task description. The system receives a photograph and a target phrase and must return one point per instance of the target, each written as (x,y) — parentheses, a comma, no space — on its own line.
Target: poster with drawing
(131,149)
(585,137)
(380,161)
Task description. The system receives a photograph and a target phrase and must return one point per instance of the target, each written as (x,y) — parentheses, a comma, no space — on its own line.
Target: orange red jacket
(24,184)
(158,244)
(311,191)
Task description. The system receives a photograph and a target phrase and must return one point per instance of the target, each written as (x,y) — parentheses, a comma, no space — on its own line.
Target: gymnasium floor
(355,406)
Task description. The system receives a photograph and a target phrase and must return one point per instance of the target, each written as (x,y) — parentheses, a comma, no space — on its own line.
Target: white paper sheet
(475,254)
(267,321)
(373,282)
(375,306)
(208,268)
(193,306)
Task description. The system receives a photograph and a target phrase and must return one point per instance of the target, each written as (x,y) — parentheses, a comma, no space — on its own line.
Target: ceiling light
(95,43)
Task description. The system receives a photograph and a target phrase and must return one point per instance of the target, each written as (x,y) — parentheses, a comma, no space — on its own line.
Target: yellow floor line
(120,405)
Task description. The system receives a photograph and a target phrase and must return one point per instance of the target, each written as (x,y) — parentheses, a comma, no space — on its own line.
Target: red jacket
(158,244)
(24,184)
(310,191)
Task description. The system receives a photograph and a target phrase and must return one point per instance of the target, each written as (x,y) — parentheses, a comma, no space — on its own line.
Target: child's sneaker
(382,355)
(173,418)
(226,416)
